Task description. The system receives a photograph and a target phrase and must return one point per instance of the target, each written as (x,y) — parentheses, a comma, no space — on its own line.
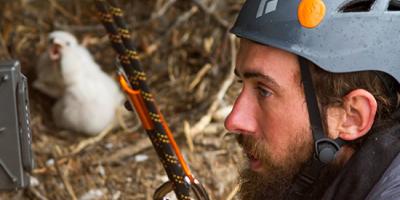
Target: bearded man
(319,110)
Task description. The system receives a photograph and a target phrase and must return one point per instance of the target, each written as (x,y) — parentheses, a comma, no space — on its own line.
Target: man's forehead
(249,47)
(267,61)
(249,43)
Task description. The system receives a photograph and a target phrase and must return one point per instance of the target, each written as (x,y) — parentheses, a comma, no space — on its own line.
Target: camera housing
(16,158)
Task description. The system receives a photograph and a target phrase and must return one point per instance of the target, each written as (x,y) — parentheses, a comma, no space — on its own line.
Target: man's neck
(343,155)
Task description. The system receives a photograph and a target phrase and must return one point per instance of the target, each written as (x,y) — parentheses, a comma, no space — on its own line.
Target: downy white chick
(91,97)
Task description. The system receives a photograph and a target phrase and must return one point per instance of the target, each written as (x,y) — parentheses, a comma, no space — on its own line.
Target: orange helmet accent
(311,13)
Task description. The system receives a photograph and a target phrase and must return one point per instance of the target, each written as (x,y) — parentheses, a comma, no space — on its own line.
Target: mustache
(245,141)
(251,145)
(239,137)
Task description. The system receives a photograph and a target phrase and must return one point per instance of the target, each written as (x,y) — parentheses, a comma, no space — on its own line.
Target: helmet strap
(325,149)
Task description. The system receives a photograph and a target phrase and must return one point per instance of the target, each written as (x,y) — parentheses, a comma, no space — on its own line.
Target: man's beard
(275,180)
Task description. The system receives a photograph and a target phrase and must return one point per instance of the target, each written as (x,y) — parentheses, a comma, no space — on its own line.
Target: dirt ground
(188,54)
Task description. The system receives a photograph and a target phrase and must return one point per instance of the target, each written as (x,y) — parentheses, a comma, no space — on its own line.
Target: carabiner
(198,190)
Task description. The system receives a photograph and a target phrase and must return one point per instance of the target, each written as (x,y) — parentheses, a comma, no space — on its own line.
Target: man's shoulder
(388,186)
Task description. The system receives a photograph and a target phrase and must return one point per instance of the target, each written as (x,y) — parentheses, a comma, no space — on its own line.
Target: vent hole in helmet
(394,5)
(357,6)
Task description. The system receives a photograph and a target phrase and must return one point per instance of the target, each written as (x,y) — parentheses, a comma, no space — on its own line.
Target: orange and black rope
(139,94)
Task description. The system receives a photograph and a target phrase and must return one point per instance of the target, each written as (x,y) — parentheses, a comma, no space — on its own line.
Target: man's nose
(242,117)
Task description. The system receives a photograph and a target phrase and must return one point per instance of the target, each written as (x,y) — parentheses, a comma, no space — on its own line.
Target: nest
(188,55)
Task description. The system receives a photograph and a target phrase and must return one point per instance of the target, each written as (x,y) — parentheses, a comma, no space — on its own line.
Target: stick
(186,128)
(184,17)
(163,9)
(199,76)
(78,28)
(37,194)
(4,54)
(120,119)
(123,124)
(83,144)
(141,145)
(215,16)
(65,181)
(206,119)
(64,12)
(233,192)
(44,170)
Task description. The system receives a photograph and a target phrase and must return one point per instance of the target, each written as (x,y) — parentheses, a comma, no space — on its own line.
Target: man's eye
(263,92)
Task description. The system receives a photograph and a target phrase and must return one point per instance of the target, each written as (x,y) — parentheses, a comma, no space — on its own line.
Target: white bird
(91,97)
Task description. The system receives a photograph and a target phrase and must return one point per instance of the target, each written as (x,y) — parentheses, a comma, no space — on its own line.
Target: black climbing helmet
(328,33)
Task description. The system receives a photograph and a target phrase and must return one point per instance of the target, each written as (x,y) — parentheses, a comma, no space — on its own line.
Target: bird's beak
(54,52)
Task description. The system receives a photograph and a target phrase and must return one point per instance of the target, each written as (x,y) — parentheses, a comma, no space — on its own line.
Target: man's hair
(330,89)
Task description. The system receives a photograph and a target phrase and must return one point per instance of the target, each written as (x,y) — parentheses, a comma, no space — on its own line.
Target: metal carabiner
(198,190)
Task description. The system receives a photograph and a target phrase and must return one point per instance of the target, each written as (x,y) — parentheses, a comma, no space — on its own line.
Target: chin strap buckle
(326,149)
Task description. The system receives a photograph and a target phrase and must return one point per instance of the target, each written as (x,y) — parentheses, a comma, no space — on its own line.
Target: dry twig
(206,119)
(163,9)
(37,193)
(120,115)
(199,76)
(64,12)
(183,18)
(214,15)
(140,145)
(189,139)
(79,28)
(3,49)
(83,144)
(233,192)
(65,180)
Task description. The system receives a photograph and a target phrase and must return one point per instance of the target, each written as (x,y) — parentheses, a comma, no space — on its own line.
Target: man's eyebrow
(253,74)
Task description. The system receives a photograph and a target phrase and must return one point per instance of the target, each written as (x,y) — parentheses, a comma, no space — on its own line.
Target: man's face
(270,115)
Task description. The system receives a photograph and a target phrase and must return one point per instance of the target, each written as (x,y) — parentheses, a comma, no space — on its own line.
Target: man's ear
(359,108)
